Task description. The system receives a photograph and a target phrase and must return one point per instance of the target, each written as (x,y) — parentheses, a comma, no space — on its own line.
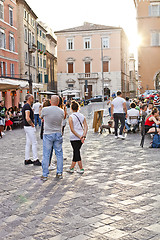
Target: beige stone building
(85,52)
(148,19)
(51,44)
(27,40)
(133,81)
(41,55)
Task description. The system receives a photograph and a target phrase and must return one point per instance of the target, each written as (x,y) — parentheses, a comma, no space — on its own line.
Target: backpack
(156,141)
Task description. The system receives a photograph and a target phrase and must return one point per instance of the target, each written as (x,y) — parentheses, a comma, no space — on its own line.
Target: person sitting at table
(152,120)
(132,118)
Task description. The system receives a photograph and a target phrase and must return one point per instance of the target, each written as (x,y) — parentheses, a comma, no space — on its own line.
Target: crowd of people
(132,113)
(7,117)
(51,115)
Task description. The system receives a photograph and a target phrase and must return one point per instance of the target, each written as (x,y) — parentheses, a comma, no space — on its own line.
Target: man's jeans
(129,125)
(49,140)
(36,118)
(30,140)
(117,117)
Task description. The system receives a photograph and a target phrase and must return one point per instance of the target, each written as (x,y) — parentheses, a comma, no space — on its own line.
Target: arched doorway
(157,81)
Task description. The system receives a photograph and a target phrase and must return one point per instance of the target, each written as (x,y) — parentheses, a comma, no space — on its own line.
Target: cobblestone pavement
(118,196)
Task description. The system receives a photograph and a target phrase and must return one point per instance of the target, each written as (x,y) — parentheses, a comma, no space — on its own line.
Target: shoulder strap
(78,120)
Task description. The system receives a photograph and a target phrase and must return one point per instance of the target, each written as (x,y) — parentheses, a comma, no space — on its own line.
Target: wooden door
(89,91)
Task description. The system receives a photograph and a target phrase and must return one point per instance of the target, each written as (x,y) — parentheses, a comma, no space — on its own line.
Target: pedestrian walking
(36,109)
(78,132)
(118,111)
(3,113)
(52,137)
(30,130)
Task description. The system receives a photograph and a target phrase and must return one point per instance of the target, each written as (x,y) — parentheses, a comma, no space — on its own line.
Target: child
(8,122)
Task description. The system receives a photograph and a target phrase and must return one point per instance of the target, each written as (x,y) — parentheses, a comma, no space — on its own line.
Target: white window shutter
(13,69)
(1,68)
(6,69)
(1,39)
(1,11)
(150,10)
(9,42)
(4,40)
(13,44)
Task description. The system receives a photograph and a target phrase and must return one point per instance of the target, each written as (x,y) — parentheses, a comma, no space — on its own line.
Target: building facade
(133,81)
(51,44)
(88,54)
(41,55)
(148,19)
(8,53)
(27,44)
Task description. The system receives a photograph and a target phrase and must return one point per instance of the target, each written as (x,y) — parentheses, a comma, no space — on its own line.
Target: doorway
(89,93)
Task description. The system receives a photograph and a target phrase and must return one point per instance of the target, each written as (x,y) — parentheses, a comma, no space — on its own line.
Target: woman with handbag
(78,132)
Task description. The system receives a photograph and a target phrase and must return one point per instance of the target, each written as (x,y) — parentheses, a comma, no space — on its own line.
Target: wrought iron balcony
(86,76)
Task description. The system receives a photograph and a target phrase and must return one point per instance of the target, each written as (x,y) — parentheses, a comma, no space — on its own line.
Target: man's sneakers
(81,171)
(44,178)
(27,162)
(37,163)
(70,170)
(116,137)
(59,175)
(52,167)
(121,137)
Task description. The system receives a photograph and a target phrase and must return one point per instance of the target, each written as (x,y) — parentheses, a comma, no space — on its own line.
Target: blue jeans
(128,126)
(52,140)
(37,119)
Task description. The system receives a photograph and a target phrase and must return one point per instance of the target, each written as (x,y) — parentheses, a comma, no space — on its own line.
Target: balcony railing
(87,75)
(32,48)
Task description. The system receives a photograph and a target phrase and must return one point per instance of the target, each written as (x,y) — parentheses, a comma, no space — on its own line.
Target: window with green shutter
(46,78)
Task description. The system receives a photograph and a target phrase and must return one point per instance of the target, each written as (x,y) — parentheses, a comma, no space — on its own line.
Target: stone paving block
(80,237)
(117,218)
(107,221)
(116,234)
(127,202)
(104,229)
(154,227)
(138,210)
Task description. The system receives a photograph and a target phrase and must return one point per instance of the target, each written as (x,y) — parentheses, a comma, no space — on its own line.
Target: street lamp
(102,71)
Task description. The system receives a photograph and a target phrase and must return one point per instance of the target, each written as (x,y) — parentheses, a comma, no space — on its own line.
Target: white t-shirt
(118,105)
(131,113)
(76,125)
(36,107)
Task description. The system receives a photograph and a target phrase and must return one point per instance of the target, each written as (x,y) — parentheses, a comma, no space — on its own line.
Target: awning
(6,84)
(47,93)
(37,86)
(70,92)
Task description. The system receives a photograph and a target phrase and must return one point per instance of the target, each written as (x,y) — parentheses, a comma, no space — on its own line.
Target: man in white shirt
(132,121)
(118,108)
(36,107)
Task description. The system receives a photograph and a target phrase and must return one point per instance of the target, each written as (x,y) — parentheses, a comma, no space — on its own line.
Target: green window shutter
(39,77)
(46,78)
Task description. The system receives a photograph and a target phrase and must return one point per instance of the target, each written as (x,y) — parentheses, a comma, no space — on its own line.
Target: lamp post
(102,72)
(29,56)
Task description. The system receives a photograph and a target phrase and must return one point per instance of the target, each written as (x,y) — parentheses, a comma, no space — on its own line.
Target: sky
(63,14)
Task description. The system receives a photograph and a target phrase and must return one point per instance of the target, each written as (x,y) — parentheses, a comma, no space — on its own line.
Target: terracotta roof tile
(88,27)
